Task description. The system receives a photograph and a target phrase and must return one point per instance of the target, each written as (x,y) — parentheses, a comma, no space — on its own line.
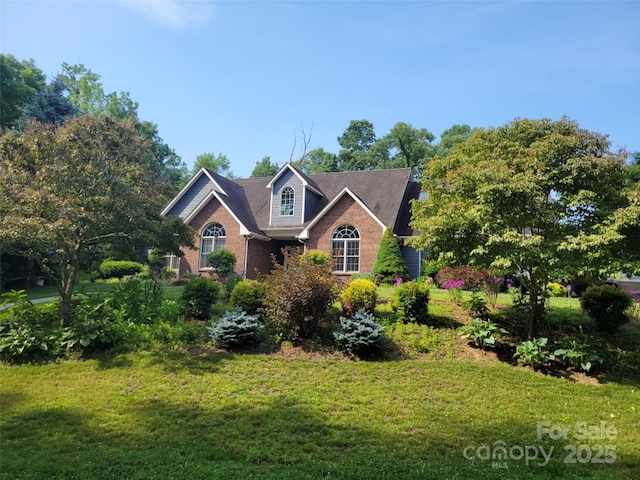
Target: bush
(412,302)
(389,263)
(556,290)
(119,268)
(482,333)
(235,329)
(297,297)
(606,305)
(198,297)
(359,334)
(248,295)
(222,261)
(230,283)
(359,293)
(471,278)
(582,352)
(318,257)
(534,352)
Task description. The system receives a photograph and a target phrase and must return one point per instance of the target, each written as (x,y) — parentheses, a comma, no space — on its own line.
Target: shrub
(582,352)
(222,261)
(118,268)
(412,302)
(297,297)
(477,307)
(198,297)
(556,290)
(359,334)
(248,295)
(359,294)
(534,352)
(318,257)
(389,263)
(606,305)
(235,329)
(471,278)
(482,333)
(229,284)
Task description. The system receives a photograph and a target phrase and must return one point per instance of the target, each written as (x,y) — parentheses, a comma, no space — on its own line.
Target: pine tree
(389,262)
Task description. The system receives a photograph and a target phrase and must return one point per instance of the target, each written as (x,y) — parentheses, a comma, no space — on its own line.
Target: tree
(264,168)
(219,164)
(524,197)
(356,141)
(318,161)
(451,137)
(50,105)
(67,189)
(410,146)
(390,264)
(20,81)
(163,160)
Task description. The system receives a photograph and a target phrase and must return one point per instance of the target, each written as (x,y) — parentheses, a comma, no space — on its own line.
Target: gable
(192,197)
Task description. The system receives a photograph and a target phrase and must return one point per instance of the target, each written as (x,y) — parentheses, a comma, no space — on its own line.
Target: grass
(291,414)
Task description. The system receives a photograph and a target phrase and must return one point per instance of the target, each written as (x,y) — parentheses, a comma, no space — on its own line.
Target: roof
(385,193)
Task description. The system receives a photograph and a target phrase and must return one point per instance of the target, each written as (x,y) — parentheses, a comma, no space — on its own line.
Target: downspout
(246,255)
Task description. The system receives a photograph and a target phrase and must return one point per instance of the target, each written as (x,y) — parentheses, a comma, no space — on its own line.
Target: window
(173,262)
(345,249)
(213,238)
(286,201)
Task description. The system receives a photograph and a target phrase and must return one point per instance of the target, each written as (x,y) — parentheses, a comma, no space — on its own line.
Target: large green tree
(519,197)
(66,189)
(451,137)
(410,147)
(219,164)
(265,168)
(20,81)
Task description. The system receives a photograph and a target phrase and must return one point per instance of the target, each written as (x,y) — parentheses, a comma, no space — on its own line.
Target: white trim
(194,179)
(304,234)
(243,230)
(288,166)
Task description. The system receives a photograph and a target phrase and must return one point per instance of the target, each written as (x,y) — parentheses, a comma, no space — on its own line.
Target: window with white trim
(213,238)
(287,198)
(345,249)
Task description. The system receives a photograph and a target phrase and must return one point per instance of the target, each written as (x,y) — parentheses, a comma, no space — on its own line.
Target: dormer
(293,197)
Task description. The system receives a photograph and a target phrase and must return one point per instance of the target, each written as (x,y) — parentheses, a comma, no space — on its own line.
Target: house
(344,214)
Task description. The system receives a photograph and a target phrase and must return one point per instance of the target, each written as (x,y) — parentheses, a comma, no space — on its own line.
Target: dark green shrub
(235,329)
(198,297)
(389,264)
(359,293)
(582,352)
(606,305)
(471,278)
(248,295)
(222,261)
(412,302)
(477,307)
(229,284)
(359,334)
(137,299)
(297,297)
(118,268)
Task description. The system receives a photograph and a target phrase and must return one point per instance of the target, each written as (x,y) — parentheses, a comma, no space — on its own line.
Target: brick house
(344,214)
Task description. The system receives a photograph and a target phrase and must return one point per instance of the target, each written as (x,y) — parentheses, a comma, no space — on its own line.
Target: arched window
(286,201)
(345,248)
(213,238)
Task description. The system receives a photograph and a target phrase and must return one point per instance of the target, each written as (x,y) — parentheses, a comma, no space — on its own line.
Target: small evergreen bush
(359,334)
(606,305)
(389,264)
(198,297)
(359,293)
(230,283)
(119,268)
(248,295)
(412,302)
(222,261)
(235,329)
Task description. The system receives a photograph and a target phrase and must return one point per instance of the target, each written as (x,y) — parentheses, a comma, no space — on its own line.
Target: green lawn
(291,414)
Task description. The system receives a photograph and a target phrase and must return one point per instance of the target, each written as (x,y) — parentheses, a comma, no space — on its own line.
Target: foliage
(556,290)
(477,307)
(198,297)
(389,263)
(470,277)
(118,268)
(264,168)
(482,333)
(318,257)
(219,164)
(454,287)
(533,196)
(534,352)
(93,326)
(360,293)
(248,295)
(491,286)
(359,334)
(634,309)
(222,261)
(230,283)
(235,329)
(412,302)
(583,352)
(21,82)
(297,297)
(606,305)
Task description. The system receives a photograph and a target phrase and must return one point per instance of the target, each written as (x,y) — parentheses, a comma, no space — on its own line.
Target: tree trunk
(69,272)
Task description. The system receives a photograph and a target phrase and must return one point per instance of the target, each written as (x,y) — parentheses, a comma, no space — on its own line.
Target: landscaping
(427,402)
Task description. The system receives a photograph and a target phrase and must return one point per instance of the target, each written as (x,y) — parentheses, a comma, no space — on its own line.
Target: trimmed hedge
(119,268)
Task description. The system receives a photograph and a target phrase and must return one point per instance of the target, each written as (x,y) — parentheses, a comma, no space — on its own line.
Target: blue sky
(244,78)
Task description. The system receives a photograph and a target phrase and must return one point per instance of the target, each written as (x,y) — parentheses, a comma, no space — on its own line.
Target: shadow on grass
(277,438)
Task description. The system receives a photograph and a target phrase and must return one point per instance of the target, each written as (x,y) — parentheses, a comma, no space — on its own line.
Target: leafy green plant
(248,295)
(482,333)
(556,290)
(222,261)
(477,307)
(118,268)
(235,329)
(198,297)
(229,284)
(607,306)
(583,352)
(359,294)
(412,302)
(534,352)
(359,334)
